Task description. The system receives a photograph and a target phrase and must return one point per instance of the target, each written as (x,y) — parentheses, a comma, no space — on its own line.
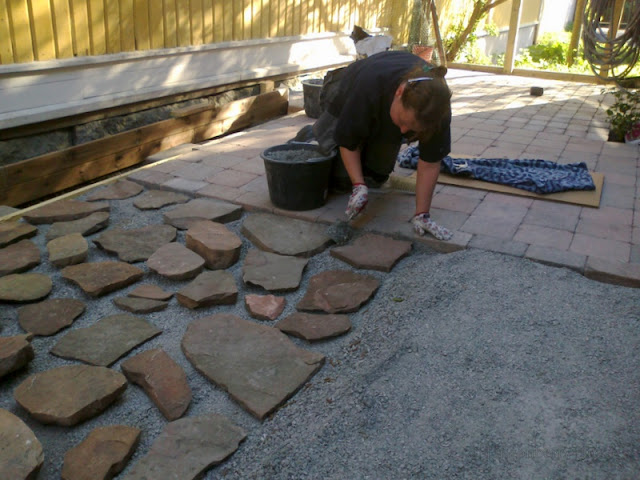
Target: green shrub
(624,113)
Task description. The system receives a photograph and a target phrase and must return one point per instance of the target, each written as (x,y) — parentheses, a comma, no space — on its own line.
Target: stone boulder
(373,252)
(183,216)
(50,316)
(273,272)
(154,199)
(264,307)
(18,257)
(313,326)
(84,226)
(214,242)
(11,232)
(64,211)
(137,244)
(24,287)
(119,190)
(209,288)
(100,278)
(21,454)
(15,353)
(68,250)
(175,262)
(338,291)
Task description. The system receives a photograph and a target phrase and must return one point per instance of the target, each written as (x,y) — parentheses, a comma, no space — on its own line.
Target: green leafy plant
(624,113)
(550,53)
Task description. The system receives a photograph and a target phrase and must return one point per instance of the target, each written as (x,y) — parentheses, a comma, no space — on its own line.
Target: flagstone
(338,291)
(214,242)
(50,316)
(140,305)
(175,262)
(105,341)
(70,394)
(137,244)
(373,252)
(11,232)
(68,250)
(162,379)
(187,448)
(271,271)
(18,257)
(64,211)
(24,287)
(264,307)
(119,190)
(100,278)
(258,365)
(21,454)
(154,199)
(15,353)
(102,454)
(152,292)
(199,209)
(209,288)
(314,326)
(84,226)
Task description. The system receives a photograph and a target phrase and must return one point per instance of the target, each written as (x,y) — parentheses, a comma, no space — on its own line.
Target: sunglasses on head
(419,79)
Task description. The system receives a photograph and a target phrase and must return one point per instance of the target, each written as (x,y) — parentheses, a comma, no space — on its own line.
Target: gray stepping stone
(84,226)
(68,250)
(138,244)
(187,448)
(119,190)
(105,341)
(176,262)
(273,272)
(21,455)
(259,366)
(373,252)
(154,199)
(19,257)
(199,209)
(286,236)
(64,211)
(71,394)
(209,288)
(214,242)
(15,353)
(102,454)
(11,232)
(140,305)
(313,326)
(338,291)
(51,316)
(24,287)
(152,292)
(162,379)
(100,278)
(264,307)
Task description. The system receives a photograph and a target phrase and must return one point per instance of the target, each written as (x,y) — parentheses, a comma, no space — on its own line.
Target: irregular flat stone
(373,252)
(264,307)
(209,288)
(313,326)
(162,379)
(64,211)
(202,209)
(19,257)
(21,454)
(68,250)
(100,278)
(71,394)
(11,232)
(138,244)
(258,365)
(105,341)
(286,236)
(119,190)
(84,226)
(152,292)
(104,453)
(51,316)
(153,199)
(188,447)
(273,272)
(176,262)
(214,242)
(15,353)
(24,287)
(338,291)
(139,305)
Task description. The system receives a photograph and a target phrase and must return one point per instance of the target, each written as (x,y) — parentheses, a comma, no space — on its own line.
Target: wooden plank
(575,32)
(197,23)
(22,41)
(97,27)
(264,19)
(228,21)
(218,20)
(127,31)
(207,19)
(6,47)
(41,20)
(170,24)
(512,37)
(142,37)
(156,24)
(80,28)
(112,26)
(183,23)
(62,28)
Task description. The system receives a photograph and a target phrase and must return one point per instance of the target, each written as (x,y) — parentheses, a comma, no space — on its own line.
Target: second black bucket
(297,175)
(311,95)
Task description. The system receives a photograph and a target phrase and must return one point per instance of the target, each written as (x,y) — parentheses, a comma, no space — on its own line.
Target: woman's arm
(426,184)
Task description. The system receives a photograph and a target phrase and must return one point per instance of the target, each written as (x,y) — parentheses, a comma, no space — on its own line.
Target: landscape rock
(68,250)
(175,262)
(50,316)
(373,252)
(199,209)
(264,307)
(100,278)
(15,353)
(84,226)
(273,272)
(70,394)
(21,454)
(102,454)
(11,232)
(119,190)
(314,326)
(338,291)
(209,288)
(24,287)
(105,341)
(152,292)
(137,244)
(19,257)
(259,366)
(64,211)
(140,305)
(162,379)
(214,242)
(154,199)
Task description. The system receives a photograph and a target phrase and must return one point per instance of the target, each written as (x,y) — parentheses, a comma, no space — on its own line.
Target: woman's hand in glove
(357,201)
(423,223)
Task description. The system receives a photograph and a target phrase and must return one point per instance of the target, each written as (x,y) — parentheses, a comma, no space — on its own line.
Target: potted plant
(623,114)
(420,34)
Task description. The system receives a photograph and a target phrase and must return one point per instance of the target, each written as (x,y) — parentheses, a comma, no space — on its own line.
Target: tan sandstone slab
(209,288)
(273,272)
(119,190)
(84,226)
(162,379)
(100,278)
(105,341)
(15,353)
(175,262)
(373,252)
(338,291)
(183,216)
(259,366)
(11,232)
(50,316)
(21,454)
(264,307)
(140,305)
(19,257)
(137,244)
(152,292)
(24,287)
(154,199)
(314,326)
(71,394)
(68,250)
(102,454)
(187,448)
(214,242)
(64,211)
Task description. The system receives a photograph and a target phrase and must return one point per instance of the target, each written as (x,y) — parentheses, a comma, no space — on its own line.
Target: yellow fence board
(197,27)
(62,28)
(6,47)
(42,29)
(80,41)
(112,13)
(170,19)
(156,25)
(126,20)
(183,22)
(97,27)
(141,21)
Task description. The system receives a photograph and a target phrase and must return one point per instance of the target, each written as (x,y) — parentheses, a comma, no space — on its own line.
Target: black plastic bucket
(311,94)
(297,175)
